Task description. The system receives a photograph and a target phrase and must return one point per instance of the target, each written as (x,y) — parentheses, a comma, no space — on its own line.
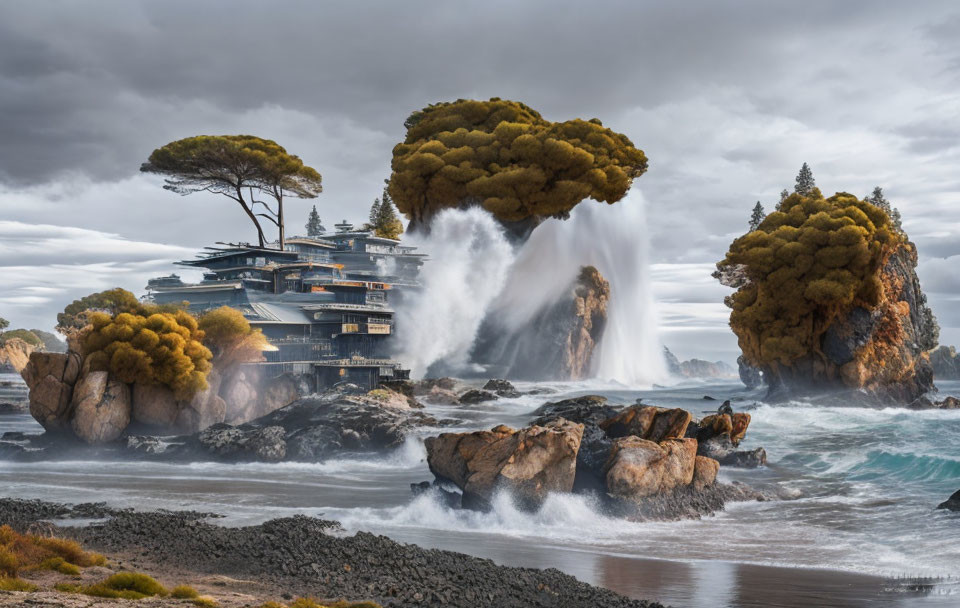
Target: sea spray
(613,238)
(469,259)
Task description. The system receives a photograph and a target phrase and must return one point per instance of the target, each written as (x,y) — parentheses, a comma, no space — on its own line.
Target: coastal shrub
(162,348)
(184,592)
(806,264)
(58,564)
(111,301)
(29,551)
(125,585)
(508,158)
(16,584)
(309,602)
(205,601)
(24,334)
(228,335)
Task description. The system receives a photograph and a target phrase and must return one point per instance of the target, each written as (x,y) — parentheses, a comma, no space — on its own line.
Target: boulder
(154,405)
(101,408)
(15,354)
(502,388)
(204,409)
(721,449)
(50,378)
(387,397)
(952,503)
(424,386)
(655,424)
(704,472)
(265,443)
(638,468)
(441,396)
(474,396)
(590,411)
(529,463)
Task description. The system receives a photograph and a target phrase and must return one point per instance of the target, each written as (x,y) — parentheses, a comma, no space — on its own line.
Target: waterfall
(467,268)
(614,239)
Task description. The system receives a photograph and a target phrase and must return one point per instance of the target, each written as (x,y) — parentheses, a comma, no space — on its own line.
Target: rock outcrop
(697,368)
(558,343)
(952,503)
(14,354)
(101,408)
(645,461)
(50,377)
(750,375)
(945,363)
(528,463)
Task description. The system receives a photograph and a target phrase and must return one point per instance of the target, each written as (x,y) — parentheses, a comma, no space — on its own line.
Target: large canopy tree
(506,157)
(236,166)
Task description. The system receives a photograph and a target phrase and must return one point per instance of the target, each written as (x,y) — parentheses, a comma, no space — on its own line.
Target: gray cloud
(727,99)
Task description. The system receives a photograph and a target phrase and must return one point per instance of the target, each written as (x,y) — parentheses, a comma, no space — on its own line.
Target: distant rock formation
(558,343)
(945,363)
(66,396)
(697,368)
(14,354)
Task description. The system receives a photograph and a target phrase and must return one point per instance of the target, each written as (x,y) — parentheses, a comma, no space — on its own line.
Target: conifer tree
(314,226)
(757,216)
(384,219)
(877,199)
(805,181)
(783,196)
(374,213)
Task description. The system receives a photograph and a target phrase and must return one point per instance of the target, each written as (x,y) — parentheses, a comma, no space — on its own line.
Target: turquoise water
(857,489)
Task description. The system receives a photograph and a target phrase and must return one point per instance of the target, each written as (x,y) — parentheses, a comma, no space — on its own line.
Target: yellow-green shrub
(184,592)
(125,585)
(58,564)
(510,159)
(162,348)
(229,336)
(807,263)
(15,584)
(22,551)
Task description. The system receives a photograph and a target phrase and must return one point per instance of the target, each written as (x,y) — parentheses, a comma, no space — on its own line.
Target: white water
(614,239)
(469,258)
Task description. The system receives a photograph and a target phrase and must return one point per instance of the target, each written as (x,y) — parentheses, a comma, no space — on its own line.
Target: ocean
(855,523)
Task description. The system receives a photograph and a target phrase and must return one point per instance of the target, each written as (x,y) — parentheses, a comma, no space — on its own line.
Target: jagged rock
(704,472)
(952,503)
(638,468)
(320,427)
(154,405)
(441,396)
(50,377)
(451,500)
(474,396)
(750,375)
(718,436)
(558,343)
(144,444)
(648,422)
(673,363)
(406,388)
(685,502)
(595,445)
(385,397)
(696,368)
(502,388)
(721,449)
(266,443)
(945,363)
(529,462)
(204,409)
(101,408)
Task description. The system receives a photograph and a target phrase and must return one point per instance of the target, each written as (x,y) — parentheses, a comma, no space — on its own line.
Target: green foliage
(16,584)
(58,564)
(162,348)
(24,334)
(112,301)
(757,216)
(384,221)
(205,602)
(3,324)
(231,164)
(805,182)
(314,225)
(50,342)
(805,264)
(505,156)
(877,199)
(126,585)
(184,592)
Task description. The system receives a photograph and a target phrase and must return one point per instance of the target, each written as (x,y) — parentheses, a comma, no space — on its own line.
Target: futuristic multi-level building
(323,302)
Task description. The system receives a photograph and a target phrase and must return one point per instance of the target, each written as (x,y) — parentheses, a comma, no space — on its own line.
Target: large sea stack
(828,301)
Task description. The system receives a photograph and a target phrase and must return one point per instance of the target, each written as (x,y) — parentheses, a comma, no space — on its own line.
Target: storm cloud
(726,99)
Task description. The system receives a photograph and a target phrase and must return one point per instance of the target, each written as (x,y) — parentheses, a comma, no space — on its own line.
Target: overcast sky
(727,100)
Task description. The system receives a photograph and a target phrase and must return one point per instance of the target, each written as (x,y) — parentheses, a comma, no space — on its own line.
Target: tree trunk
(253,218)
